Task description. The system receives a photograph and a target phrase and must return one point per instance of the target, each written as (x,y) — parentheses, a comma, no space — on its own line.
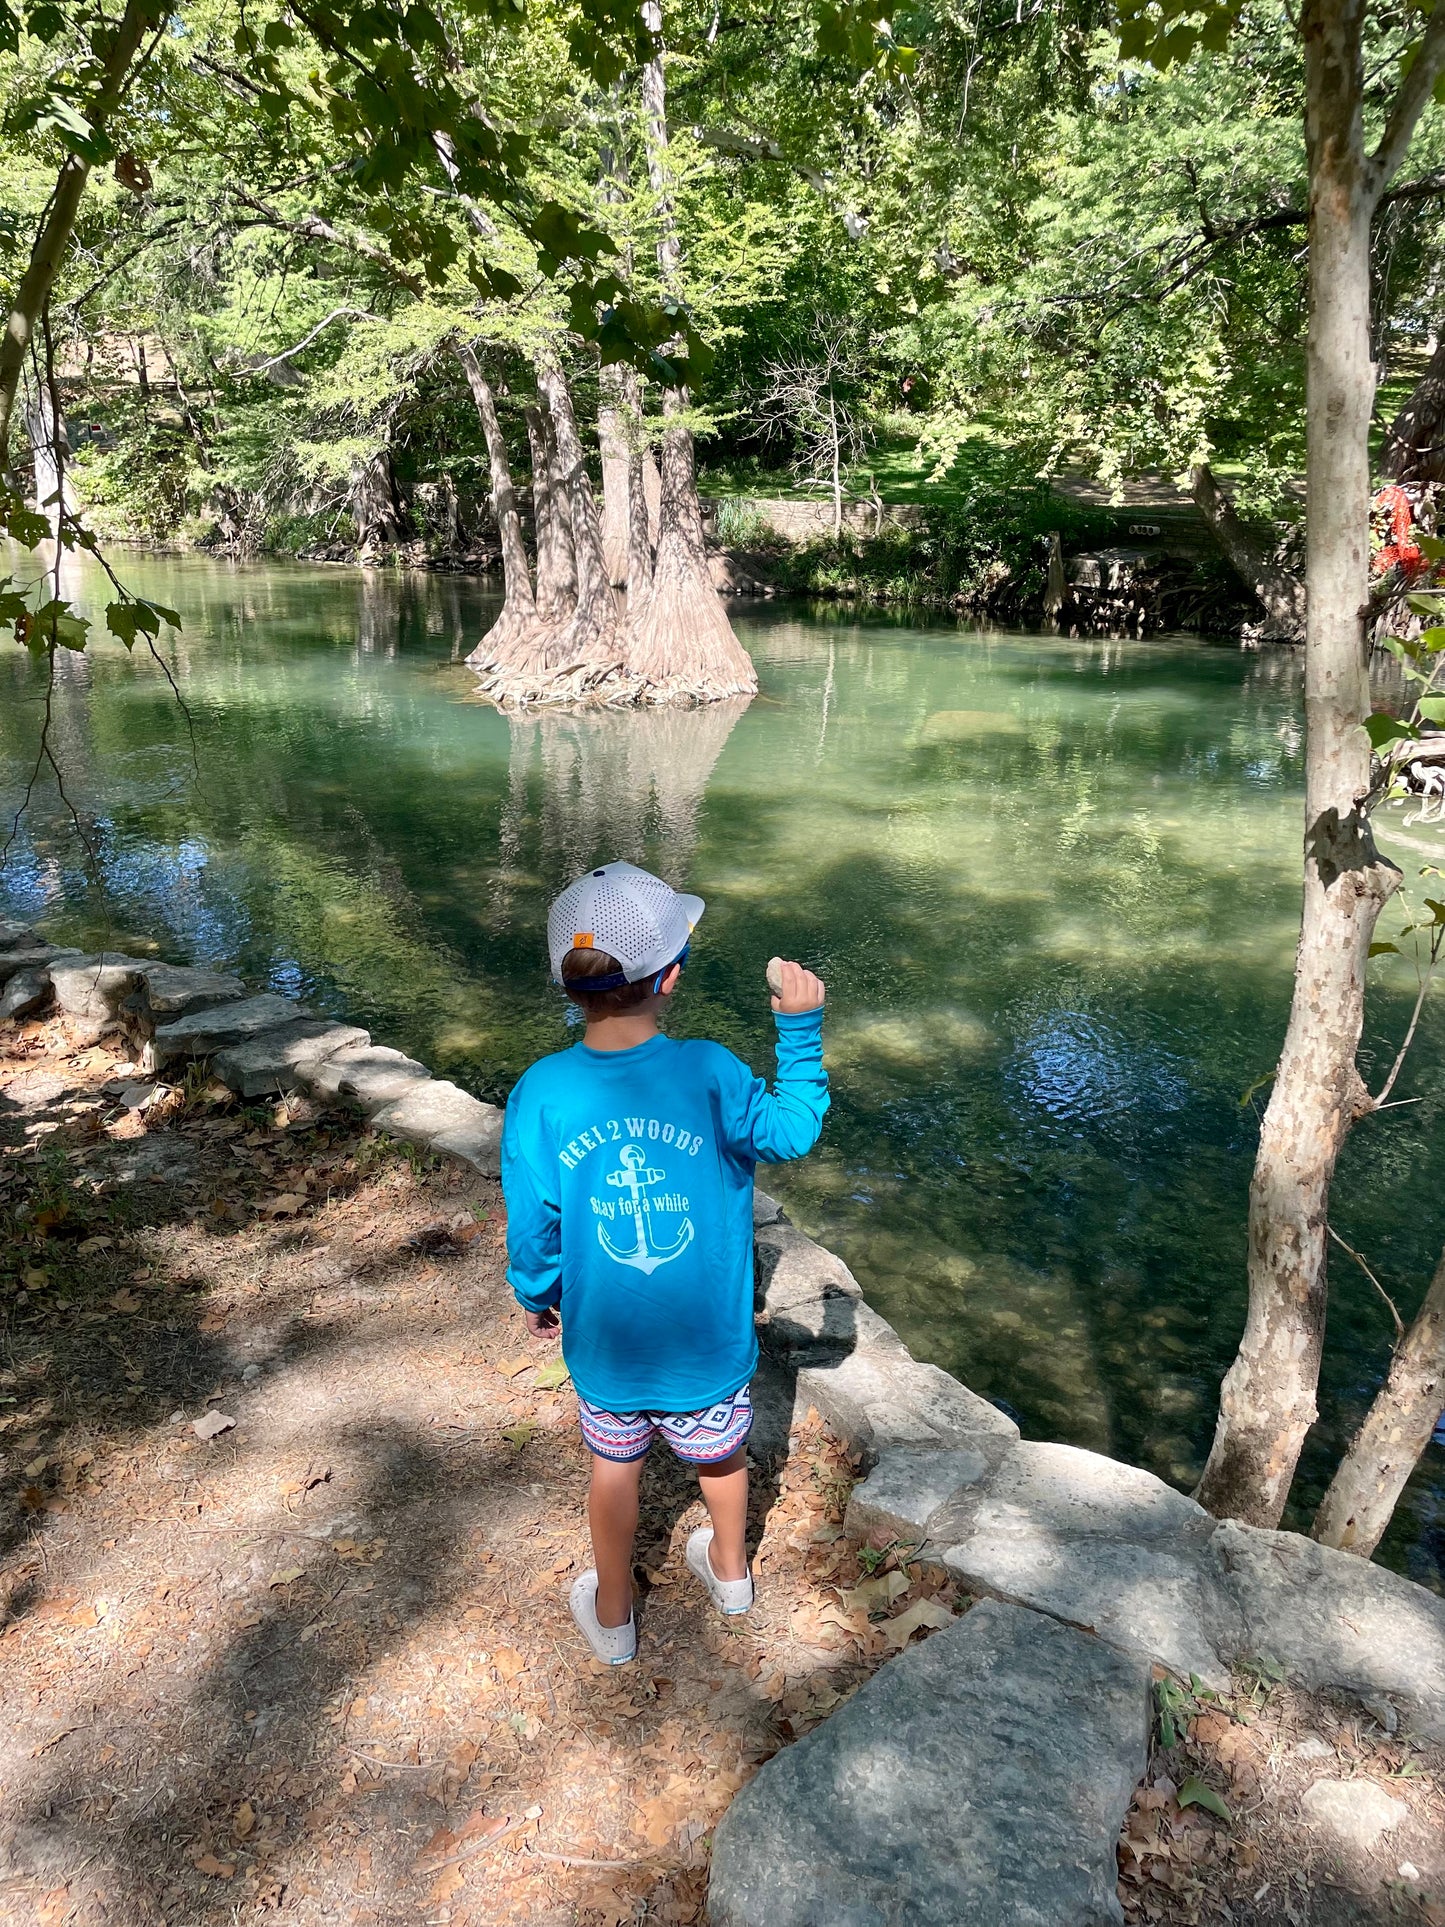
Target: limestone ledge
(258,1044)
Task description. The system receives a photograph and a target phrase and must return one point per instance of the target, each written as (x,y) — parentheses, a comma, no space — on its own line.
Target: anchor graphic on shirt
(634,1178)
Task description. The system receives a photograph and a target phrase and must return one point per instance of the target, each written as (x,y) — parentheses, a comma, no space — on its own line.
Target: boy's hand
(794,989)
(542,1324)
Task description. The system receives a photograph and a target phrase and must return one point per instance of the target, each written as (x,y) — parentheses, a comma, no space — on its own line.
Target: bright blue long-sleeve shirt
(628,1177)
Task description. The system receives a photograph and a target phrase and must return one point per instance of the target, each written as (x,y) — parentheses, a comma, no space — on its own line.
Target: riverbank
(383,1703)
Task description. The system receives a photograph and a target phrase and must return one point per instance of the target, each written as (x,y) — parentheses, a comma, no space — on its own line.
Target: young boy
(627,1164)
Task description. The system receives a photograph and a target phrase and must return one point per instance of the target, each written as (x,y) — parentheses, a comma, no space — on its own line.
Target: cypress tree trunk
(681,642)
(616,473)
(1267,1401)
(1384,1452)
(592,640)
(514,630)
(1414,449)
(373,506)
(1281,594)
(556,566)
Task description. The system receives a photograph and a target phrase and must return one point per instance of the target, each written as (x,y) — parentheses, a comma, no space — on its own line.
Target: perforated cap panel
(629,913)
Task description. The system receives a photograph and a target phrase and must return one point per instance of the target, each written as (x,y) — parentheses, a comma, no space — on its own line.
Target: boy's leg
(612,1517)
(725,1494)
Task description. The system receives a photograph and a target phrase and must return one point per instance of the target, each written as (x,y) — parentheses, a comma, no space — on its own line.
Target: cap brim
(693,908)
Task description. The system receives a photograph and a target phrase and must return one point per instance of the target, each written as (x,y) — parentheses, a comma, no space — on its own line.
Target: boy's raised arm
(785,1122)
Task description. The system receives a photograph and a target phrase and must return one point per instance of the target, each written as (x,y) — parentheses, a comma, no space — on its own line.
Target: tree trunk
(644,492)
(1414,449)
(52,239)
(50,452)
(592,639)
(682,641)
(373,506)
(1384,1452)
(515,627)
(1281,594)
(616,470)
(1267,1400)
(837,469)
(556,565)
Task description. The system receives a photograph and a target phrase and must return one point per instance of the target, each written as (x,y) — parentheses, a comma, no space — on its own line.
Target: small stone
(1314,1748)
(1356,1813)
(1380,1709)
(249,1374)
(211,1424)
(26,991)
(1407,1870)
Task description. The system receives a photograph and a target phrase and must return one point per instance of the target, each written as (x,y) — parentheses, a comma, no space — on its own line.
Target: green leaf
(1425,605)
(1384,949)
(1194,1793)
(1433,639)
(1432,708)
(1383,729)
(550,1375)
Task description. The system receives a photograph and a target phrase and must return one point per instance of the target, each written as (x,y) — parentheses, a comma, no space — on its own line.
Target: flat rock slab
(878,1397)
(1333,1619)
(1062,1491)
(175,990)
(92,989)
(370,1077)
(443,1117)
(280,1060)
(34,955)
(912,1482)
(980,1777)
(205,1032)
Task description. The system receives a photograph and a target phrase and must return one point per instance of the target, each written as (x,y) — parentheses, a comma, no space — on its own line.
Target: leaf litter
(319,1666)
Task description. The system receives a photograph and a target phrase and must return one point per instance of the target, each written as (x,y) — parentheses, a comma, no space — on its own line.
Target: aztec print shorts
(697,1438)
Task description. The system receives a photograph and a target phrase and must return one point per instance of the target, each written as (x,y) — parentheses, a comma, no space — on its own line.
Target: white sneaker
(614,1645)
(730,1596)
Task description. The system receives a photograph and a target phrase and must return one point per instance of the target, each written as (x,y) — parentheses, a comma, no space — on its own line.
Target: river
(1053,887)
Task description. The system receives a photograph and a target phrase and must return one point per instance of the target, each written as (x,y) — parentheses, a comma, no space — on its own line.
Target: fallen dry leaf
(218,1869)
(927,1612)
(285,1204)
(211,1424)
(508,1662)
(286,1576)
(514,1367)
(244,1821)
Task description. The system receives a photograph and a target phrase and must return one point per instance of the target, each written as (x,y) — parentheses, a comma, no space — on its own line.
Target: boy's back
(629,1186)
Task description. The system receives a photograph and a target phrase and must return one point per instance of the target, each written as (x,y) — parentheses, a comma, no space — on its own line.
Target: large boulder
(91,990)
(1333,1619)
(981,1776)
(25,992)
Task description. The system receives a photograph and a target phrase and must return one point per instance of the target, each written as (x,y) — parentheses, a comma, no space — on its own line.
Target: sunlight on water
(1052,886)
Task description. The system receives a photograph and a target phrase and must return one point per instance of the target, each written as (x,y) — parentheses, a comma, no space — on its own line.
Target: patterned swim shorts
(698,1438)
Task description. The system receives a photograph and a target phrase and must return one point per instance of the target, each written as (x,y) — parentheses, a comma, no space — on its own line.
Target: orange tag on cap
(583,941)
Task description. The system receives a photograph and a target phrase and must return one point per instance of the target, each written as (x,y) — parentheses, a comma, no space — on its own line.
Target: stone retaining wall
(984,1774)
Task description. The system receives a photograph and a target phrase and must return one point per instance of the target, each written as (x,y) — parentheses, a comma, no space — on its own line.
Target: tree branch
(1411,99)
(314,227)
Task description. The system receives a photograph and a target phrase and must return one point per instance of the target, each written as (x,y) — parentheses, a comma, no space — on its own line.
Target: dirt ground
(1274,1807)
(289,1508)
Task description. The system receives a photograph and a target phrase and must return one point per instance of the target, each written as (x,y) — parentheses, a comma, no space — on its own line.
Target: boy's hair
(579,965)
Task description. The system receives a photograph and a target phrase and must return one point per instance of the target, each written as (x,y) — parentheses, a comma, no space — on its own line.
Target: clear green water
(1052,886)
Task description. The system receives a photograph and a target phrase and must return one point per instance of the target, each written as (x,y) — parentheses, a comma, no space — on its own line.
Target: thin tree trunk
(52,239)
(837,469)
(515,627)
(1281,594)
(616,467)
(682,642)
(592,638)
(50,452)
(1384,1452)
(1267,1400)
(556,572)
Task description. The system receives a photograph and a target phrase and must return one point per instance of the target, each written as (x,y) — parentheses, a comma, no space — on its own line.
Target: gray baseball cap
(629,913)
